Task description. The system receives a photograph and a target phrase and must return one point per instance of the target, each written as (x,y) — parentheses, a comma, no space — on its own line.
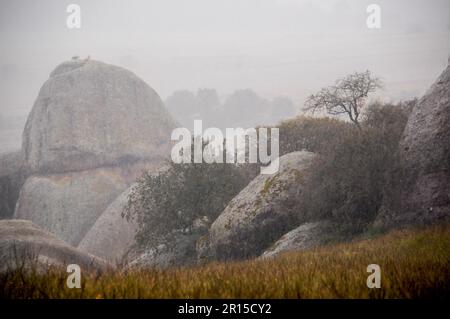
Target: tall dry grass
(414,264)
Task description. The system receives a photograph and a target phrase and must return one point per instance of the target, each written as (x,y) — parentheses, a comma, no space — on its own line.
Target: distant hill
(243,108)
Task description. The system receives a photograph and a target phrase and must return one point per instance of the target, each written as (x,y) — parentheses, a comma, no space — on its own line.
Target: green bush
(178,196)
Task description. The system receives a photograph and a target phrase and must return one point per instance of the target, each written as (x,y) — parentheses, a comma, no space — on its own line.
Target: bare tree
(347,96)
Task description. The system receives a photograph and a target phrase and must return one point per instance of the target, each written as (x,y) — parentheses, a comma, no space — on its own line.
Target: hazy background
(287,48)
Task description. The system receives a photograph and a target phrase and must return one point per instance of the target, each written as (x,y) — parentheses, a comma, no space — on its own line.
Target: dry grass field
(414,264)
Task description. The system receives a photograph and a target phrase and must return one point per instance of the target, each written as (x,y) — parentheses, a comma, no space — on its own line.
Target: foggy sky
(274,47)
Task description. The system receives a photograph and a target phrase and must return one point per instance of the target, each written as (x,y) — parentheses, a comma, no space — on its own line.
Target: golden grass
(414,264)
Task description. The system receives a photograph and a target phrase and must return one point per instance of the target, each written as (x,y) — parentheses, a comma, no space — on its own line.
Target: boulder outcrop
(89,114)
(112,236)
(178,250)
(261,213)
(306,236)
(69,204)
(422,192)
(93,129)
(24,245)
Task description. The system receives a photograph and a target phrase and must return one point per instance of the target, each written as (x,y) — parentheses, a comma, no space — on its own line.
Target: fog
(275,48)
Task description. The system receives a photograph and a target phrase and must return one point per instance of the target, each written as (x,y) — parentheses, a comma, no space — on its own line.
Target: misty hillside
(11,128)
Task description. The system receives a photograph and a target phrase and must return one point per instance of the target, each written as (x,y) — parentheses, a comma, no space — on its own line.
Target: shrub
(347,181)
(180,196)
(311,134)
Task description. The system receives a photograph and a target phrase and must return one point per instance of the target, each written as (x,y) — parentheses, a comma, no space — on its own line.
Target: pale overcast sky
(275,47)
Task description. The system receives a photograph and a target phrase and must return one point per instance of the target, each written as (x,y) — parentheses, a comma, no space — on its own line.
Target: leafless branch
(347,96)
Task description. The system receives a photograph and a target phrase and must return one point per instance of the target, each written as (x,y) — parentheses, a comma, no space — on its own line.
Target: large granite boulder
(68,204)
(306,236)
(112,236)
(12,177)
(92,131)
(24,245)
(178,250)
(422,194)
(261,213)
(89,114)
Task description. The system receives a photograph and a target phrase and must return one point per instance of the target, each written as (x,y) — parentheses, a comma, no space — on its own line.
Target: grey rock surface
(112,236)
(179,250)
(23,244)
(306,236)
(92,130)
(261,213)
(422,195)
(68,204)
(89,114)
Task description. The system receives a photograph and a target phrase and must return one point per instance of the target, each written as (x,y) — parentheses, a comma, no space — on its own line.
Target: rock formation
(306,236)
(178,250)
(93,128)
(89,114)
(112,236)
(69,204)
(422,194)
(23,244)
(260,214)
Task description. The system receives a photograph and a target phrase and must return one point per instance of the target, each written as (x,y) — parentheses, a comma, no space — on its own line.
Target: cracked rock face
(423,193)
(89,114)
(260,214)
